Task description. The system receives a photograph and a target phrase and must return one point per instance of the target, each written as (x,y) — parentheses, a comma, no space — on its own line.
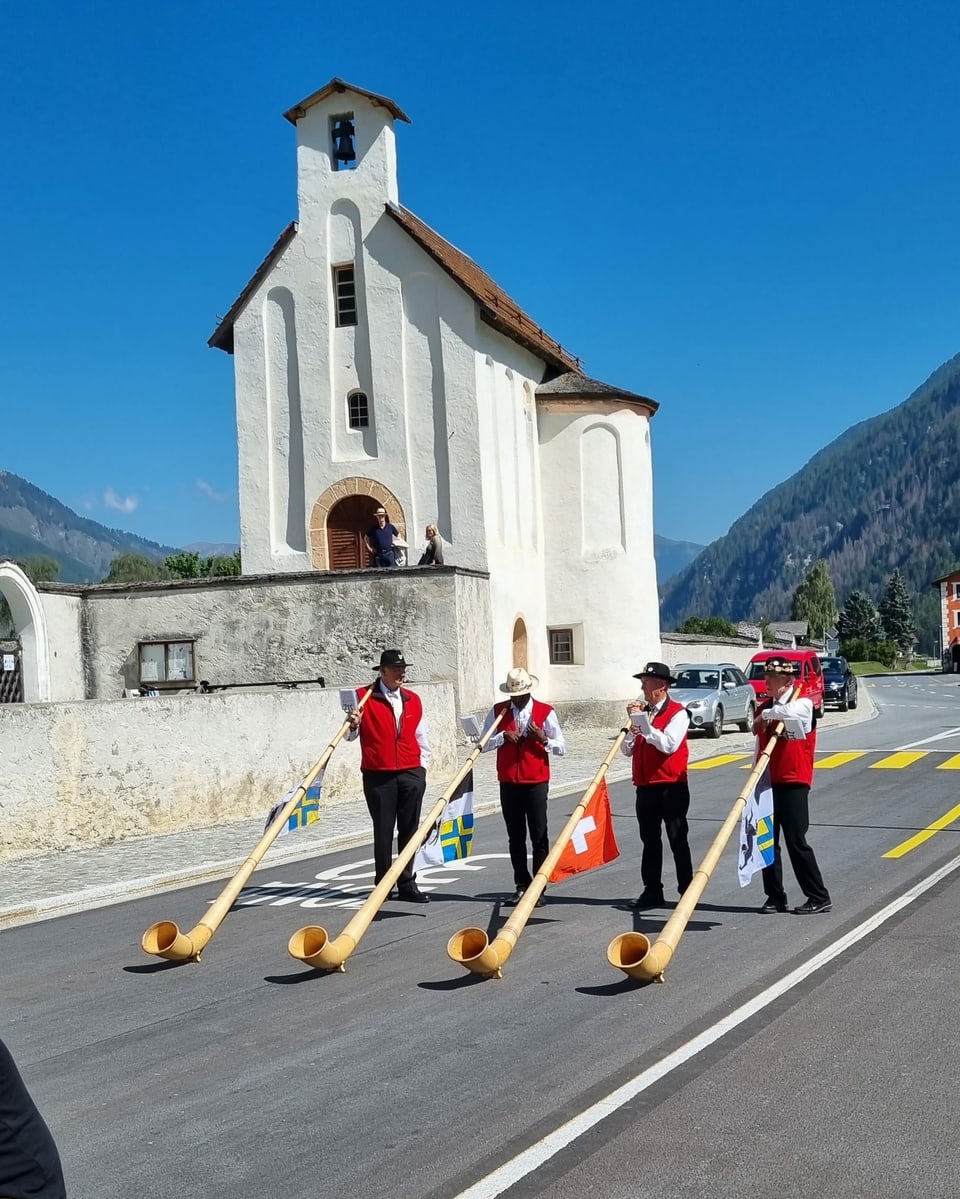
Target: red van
(811,673)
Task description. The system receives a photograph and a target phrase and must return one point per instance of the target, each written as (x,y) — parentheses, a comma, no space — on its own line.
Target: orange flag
(593,843)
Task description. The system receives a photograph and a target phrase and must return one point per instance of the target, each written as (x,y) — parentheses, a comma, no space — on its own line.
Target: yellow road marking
(720,760)
(897,761)
(951,763)
(834,760)
(899,850)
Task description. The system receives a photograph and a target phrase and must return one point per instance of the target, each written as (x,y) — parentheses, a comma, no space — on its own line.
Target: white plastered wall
(600,573)
(411,352)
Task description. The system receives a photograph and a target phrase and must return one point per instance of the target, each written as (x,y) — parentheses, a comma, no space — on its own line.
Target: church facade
(378,365)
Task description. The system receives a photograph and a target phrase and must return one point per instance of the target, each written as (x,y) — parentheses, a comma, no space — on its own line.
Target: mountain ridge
(32,522)
(884,495)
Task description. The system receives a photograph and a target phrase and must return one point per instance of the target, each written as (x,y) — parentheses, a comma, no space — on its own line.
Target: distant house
(784,633)
(949,587)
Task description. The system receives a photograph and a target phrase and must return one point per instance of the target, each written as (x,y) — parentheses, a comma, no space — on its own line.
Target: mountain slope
(672,556)
(32,522)
(883,495)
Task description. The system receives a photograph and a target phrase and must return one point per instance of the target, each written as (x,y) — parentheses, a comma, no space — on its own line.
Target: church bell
(343,150)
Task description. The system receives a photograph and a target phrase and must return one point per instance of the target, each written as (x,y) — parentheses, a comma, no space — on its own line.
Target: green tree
(896,613)
(858,619)
(135,568)
(708,626)
(40,569)
(184,565)
(222,564)
(815,601)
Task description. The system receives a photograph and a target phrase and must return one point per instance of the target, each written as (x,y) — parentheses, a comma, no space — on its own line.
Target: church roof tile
(496,307)
(340,85)
(575,384)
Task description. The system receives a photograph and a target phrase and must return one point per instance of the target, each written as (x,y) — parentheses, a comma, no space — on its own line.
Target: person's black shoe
(773,905)
(540,902)
(649,899)
(812,906)
(413,895)
(512,900)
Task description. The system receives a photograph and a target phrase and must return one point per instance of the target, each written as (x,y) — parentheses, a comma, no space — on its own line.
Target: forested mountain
(34,523)
(672,556)
(884,495)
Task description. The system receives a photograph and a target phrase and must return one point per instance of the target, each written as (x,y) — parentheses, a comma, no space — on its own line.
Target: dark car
(839,682)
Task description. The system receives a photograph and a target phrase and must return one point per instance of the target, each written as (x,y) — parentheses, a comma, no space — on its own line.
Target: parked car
(714,694)
(839,682)
(811,674)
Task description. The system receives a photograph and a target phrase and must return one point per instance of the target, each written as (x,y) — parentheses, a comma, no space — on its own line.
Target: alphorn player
(29,1162)
(657,743)
(791,773)
(394,755)
(528,734)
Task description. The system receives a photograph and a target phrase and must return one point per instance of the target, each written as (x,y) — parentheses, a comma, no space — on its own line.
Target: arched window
(358,410)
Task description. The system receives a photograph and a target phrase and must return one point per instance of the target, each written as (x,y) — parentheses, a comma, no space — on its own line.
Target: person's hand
(511,735)
(353,718)
(634,706)
(537,733)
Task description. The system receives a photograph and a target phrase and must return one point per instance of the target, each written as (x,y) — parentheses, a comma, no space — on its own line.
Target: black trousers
(524,805)
(393,801)
(29,1162)
(664,804)
(791,812)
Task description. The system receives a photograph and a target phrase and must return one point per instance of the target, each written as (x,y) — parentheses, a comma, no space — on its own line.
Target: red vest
(528,761)
(383,745)
(652,765)
(791,761)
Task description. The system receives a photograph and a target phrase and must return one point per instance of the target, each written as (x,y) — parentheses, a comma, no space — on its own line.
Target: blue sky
(745,210)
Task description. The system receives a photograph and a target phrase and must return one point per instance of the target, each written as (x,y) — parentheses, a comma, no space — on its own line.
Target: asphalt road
(252,1075)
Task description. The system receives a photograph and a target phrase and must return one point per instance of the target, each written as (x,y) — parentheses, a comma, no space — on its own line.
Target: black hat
(781,666)
(392,657)
(656,670)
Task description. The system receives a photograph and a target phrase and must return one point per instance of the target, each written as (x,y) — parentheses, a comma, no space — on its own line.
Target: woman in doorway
(433,553)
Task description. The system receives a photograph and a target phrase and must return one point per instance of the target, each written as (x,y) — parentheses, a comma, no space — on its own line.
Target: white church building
(376,364)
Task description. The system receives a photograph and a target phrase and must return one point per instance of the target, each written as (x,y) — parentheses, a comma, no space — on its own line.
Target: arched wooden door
(520,643)
(347,522)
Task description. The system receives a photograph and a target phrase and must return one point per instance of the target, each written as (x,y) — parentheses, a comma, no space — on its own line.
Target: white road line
(525,1163)
(926,741)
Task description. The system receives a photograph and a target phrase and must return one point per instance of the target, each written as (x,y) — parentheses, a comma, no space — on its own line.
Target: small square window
(561,647)
(345,295)
(166,662)
(359,410)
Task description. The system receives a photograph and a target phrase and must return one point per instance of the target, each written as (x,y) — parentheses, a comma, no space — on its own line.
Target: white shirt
(797,709)
(395,700)
(667,740)
(521,718)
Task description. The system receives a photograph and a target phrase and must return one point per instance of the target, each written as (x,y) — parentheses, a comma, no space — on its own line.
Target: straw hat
(519,682)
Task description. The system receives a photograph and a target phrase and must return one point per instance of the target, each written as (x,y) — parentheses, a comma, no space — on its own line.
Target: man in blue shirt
(379,540)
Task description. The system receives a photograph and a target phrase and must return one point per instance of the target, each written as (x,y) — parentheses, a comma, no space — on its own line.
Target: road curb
(73,902)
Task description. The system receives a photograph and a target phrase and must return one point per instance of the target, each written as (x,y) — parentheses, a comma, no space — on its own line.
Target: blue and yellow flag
(452,839)
(756,831)
(306,812)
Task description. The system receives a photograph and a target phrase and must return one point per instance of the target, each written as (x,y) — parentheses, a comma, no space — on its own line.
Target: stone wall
(90,773)
(260,629)
(685,647)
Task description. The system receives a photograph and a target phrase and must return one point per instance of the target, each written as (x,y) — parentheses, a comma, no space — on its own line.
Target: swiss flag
(593,843)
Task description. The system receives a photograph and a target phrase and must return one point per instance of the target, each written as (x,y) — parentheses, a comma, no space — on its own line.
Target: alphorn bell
(632,952)
(165,940)
(471,947)
(312,943)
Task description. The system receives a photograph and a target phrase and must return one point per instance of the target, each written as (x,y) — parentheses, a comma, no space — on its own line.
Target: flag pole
(312,943)
(471,947)
(632,952)
(165,940)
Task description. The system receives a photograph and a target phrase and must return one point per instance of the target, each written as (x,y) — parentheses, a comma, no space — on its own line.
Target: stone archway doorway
(520,643)
(347,521)
(29,631)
